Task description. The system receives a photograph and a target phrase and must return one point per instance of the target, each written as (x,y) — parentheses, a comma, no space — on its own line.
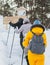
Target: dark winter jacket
(18,24)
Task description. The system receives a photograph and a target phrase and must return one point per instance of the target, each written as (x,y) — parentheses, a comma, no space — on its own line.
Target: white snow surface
(16,55)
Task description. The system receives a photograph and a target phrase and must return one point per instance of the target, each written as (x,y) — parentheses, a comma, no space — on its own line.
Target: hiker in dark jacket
(18,24)
(24,29)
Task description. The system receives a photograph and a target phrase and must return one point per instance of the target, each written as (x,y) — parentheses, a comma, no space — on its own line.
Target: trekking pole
(8,35)
(12,45)
(22,57)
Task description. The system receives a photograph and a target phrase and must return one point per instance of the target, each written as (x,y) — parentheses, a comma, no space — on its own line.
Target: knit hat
(26,20)
(37,23)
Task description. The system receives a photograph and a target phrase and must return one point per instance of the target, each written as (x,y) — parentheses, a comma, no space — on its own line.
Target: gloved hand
(11,24)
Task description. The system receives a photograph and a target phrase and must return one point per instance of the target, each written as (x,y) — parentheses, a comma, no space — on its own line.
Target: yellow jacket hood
(37,30)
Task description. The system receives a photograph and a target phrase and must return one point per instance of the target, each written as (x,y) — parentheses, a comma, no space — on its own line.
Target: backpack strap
(32,32)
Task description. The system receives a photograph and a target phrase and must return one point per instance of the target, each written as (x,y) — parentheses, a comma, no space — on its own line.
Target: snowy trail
(47,53)
(17,51)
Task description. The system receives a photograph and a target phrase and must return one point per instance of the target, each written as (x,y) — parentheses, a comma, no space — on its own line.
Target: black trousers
(27,60)
(21,40)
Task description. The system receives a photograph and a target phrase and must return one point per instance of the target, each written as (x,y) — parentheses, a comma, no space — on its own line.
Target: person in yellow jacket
(33,58)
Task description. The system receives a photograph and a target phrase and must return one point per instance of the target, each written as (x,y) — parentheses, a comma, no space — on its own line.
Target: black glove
(18,24)
(11,24)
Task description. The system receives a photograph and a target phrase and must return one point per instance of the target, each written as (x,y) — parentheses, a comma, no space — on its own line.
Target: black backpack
(37,44)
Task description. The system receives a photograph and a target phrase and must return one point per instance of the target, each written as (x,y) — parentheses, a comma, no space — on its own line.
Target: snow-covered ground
(16,55)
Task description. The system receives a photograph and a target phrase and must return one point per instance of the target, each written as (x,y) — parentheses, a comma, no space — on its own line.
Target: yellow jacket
(29,35)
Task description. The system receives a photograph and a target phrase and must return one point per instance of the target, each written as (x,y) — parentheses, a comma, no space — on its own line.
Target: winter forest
(11,10)
(34,8)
